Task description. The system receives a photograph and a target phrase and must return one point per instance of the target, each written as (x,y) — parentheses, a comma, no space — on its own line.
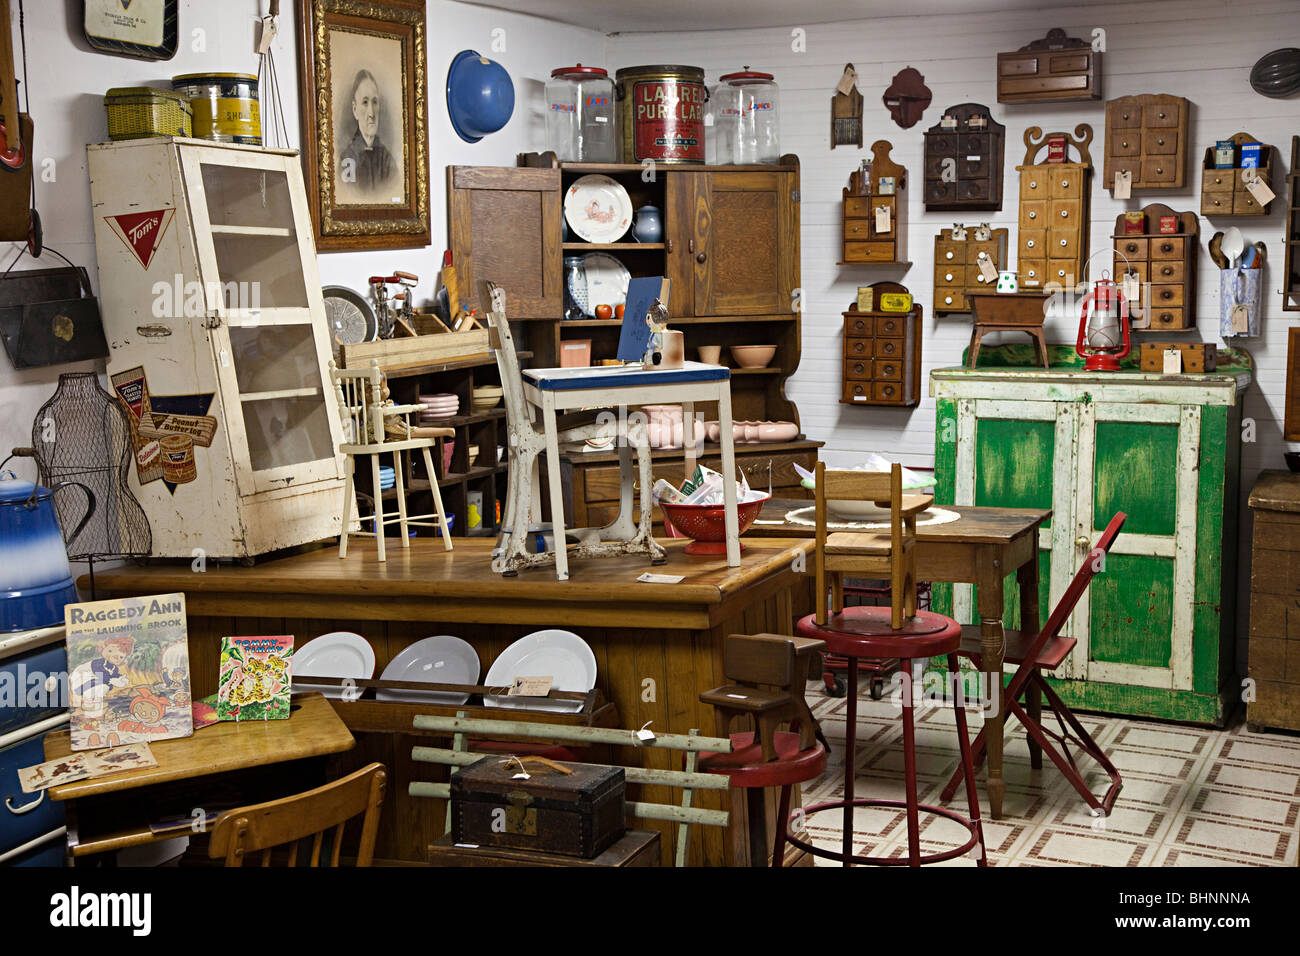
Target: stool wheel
(837,688)
(877,688)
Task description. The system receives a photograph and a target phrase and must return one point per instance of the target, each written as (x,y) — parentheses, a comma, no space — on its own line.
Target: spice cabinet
(1054,210)
(873,210)
(211,301)
(963,160)
(1155,632)
(1224,191)
(1057,69)
(882,352)
(957,273)
(1146,136)
(1165,266)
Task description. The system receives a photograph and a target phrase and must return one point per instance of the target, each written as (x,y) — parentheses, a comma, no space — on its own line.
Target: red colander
(706,524)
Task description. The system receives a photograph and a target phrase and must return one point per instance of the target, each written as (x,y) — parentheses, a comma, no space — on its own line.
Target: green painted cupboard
(1156,630)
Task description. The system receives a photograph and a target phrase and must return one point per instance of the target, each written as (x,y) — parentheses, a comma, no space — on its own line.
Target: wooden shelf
(471,419)
(709,450)
(590,323)
(611,246)
(410,371)
(892,262)
(280,232)
(609,168)
(758,371)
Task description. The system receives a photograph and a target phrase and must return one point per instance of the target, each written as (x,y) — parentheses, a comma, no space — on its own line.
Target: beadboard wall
(1200,49)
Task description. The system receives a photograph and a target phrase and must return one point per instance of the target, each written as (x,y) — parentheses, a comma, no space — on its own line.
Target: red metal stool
(858,632)
(748,770)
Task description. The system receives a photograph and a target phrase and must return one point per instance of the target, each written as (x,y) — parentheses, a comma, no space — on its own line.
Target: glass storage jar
(580,121)
(747,118)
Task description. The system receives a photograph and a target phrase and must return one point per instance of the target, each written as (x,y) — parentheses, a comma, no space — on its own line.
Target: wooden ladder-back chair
(264,826)
(1046,651)
(887,555)
(368,431)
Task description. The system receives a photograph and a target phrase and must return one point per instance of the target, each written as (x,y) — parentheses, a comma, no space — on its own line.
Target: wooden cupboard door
(504,224)
(746,243)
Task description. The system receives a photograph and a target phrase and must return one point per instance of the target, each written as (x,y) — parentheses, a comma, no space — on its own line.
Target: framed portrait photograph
(365,142)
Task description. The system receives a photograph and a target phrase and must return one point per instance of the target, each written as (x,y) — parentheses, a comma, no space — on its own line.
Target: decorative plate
(561,655)
(598,209)
(337,654)
(607,281)
(441,659)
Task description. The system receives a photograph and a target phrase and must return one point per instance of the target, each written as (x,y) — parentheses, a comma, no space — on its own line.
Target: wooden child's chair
(770,672)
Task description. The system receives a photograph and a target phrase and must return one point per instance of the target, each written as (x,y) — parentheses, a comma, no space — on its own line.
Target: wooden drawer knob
(889,391)
(887,369)
(857,346)
(1126,116)
(949,255)
(859,368)
(1029,243)
(889,348)
(1217,203)
(1160,142)
(1166,294)
(1167,271)
(947,277)
(947,300)
(1166,317)
(1124,143)
(1033,184)
(1166,247)
(1160,170)
(1162,116)
(1065,242)
(1217,179)
(1131,247)
(890,326)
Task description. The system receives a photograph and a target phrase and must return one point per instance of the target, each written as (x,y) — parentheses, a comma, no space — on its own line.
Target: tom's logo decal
(142,231)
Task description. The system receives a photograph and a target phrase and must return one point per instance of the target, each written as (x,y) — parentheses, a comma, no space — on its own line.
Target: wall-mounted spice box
(874,209)
(1165,266)
(1057,68)
(1225,192)
(1146,136)
(963,160)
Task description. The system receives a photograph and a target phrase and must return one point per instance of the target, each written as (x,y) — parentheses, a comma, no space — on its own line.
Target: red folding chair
(1046,652)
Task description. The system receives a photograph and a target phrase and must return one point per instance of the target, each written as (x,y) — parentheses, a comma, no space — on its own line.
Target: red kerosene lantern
(1103,332)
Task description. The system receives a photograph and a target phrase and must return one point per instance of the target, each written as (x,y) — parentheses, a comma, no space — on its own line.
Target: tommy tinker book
(128,671)
(255,678)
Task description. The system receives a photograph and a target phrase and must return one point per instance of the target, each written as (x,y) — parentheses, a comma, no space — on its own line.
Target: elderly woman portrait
(364,160)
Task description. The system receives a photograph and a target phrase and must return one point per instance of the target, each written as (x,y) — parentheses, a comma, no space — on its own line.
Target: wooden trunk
(1274,661)
(575,814)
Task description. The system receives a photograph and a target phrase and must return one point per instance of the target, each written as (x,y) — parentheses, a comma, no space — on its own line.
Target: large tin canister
(662,111)
(225,106)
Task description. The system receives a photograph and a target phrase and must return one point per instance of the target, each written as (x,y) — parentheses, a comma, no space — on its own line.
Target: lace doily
(807,518)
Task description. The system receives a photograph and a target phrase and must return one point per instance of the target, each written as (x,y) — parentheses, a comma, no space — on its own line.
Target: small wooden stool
(1008,312)
(770,672)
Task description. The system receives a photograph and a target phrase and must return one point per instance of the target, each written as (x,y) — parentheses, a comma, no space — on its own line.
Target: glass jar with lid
(580,120)
(747,118)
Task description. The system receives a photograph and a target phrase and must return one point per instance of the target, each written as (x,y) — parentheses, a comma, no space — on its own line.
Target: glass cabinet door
(262,293)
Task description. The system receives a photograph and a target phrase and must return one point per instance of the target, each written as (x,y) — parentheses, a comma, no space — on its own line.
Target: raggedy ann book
(128,671)
(255,678)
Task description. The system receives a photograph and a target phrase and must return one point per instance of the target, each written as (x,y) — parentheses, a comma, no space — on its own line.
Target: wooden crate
(417,350)
(1197,356)
(1274,654)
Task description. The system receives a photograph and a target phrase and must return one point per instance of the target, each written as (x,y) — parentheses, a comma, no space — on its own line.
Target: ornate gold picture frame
(364,102)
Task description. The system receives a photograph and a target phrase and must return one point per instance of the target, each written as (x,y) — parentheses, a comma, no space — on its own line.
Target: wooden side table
(1274,655)
(1008,312)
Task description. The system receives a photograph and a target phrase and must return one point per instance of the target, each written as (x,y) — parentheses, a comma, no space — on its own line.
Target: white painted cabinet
(212,303)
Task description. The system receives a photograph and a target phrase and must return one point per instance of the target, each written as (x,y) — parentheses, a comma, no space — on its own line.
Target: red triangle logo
(142,231)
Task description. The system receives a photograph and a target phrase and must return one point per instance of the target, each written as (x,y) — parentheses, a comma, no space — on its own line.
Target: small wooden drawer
(1139,268)
(1066,184)
(1160,142)
(1033,244)
(1062,213)
(1034,184)
(1244,204)
(950,276)
(1125,142)
(857,228)
(1166,296)
(1218,180)
(857,207)
(989,247)
(1064,271)
(1033,214)
(1167,247)
(949,253)
(886,203)
(887,392)
(1032,271)
(953,300)
(1168,319)
(972,166)
(942,144)
(1168,270)
(888,348)
(858,325)
(935,165)
(889,370)
(868,252)
(975,279)
(1160,169)
(893,326)
(858,370)
(1017,65)
(1128,115)
(857,392)
(1132,247)
(1063,243)
(1161,115)
(1221,203)
(937,192)
(973,190)
(857,348)
(969,144)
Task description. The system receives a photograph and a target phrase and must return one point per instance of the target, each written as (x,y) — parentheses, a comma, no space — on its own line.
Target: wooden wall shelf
(963,162)
(1055,69)
(1054,211)
(882,352)
(1146,136)
(1224,192)
(866,208)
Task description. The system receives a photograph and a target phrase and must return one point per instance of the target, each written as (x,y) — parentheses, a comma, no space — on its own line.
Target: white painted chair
(374,428)
(528,441)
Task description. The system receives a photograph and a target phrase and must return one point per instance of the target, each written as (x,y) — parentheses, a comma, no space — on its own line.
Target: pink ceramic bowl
(753,356)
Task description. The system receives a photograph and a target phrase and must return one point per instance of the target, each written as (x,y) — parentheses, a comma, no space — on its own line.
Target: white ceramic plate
(441,659)
(607,281)
(562,655)
(598,209)
(337,654)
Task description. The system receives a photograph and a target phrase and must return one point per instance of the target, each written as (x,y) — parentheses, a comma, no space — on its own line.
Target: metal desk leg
(557,489)
(731,521)
(992,649)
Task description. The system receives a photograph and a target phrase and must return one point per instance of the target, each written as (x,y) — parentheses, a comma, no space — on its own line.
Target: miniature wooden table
(982,547)
(205,759)
(554,390)
(1008,312)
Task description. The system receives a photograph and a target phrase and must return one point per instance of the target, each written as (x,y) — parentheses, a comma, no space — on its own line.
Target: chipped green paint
(1013,463)
(1131,619)
(1214,613)
(1135,464)
(1156,702)
(1017,355)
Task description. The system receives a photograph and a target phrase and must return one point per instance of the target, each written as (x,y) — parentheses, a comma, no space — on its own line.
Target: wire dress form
(81,435)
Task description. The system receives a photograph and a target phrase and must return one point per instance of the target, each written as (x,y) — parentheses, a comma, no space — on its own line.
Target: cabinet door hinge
(794,195)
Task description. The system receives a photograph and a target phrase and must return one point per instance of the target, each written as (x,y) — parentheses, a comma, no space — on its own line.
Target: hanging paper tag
(882,219)
(1259,189)
(1173,362)
(1123,185)
(1132,289)
(847,81)
(645,734)
(987,269)
(1240,319)
(530,687)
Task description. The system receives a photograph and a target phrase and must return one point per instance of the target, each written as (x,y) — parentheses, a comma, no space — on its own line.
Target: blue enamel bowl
(480,95)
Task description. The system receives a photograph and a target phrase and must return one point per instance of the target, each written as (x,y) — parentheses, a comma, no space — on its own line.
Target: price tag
(1173,362)
(1259,189)
(645,734)
(847,81)
(1240,318)
(651,578)
(1123,185)
(987,269)
(530,687)
(883,219)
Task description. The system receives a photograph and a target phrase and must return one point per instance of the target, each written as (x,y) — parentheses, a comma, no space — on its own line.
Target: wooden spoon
(1216,251)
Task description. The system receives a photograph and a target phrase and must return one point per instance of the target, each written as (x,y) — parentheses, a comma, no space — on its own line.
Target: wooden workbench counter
(657,646)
